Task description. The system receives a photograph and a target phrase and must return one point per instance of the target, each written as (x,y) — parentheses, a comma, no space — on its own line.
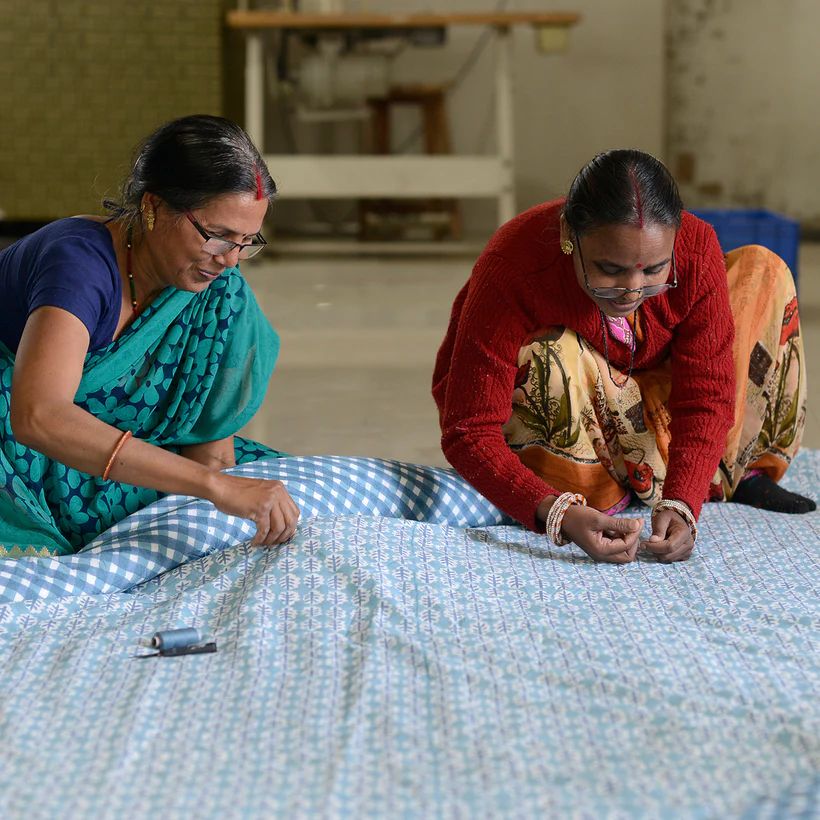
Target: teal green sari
(192,368)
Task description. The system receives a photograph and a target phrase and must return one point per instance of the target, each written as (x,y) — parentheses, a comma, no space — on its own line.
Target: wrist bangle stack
(682,509)
(123,438)
(555,517)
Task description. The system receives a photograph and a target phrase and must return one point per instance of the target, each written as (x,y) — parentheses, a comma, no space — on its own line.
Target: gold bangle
(683,510)
(555,517)
(123,438)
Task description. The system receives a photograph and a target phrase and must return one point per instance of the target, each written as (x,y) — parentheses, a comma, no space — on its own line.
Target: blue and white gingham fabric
(176,528)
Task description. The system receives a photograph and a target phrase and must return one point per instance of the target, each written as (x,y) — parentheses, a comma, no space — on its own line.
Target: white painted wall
(743,110)
(605,91)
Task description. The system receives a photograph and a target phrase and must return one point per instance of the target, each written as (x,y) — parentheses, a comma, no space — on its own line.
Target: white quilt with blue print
(379,666)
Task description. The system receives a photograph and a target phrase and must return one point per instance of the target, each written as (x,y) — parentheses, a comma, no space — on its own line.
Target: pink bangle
(123,438)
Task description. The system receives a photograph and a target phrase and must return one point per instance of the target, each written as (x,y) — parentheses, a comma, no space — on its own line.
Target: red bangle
(123,438)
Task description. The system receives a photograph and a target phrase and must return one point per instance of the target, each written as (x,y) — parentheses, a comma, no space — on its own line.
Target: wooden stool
(441,216)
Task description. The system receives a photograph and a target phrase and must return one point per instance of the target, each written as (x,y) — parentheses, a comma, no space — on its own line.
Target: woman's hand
(266,503)
(600,536)
(671,539)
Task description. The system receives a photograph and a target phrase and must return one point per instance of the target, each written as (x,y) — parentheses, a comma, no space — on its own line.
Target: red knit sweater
(522,283)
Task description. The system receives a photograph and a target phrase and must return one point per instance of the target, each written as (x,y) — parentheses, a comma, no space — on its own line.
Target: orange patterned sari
(580,432)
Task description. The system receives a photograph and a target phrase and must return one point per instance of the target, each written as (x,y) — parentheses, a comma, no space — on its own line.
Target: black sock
(760,491)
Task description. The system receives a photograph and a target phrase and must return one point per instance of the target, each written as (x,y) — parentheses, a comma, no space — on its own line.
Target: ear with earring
(567,247)
(150,217)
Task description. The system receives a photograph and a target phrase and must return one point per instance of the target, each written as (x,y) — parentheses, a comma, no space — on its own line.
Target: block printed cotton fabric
(379,667)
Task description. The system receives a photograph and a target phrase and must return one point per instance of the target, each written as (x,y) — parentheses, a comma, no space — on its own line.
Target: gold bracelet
(123,438)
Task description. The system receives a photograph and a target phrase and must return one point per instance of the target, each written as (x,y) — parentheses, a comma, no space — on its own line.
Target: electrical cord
(465,68)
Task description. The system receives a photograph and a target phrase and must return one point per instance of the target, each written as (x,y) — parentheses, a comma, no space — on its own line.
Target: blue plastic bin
(738,227)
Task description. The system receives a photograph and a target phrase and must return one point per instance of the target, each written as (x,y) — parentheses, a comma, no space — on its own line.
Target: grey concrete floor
(359,337)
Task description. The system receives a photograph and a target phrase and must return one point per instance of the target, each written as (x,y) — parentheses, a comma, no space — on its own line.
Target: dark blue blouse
(70,264)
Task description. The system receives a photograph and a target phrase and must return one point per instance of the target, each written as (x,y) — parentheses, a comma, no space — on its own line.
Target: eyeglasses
(617,293)
(219,246)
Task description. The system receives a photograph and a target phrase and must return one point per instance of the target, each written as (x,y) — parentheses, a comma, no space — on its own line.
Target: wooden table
(361,176)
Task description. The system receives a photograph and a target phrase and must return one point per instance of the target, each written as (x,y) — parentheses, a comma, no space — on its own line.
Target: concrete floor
(359,337)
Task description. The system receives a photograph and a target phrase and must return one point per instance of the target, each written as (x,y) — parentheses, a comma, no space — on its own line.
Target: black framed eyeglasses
(617,293)
(218,245)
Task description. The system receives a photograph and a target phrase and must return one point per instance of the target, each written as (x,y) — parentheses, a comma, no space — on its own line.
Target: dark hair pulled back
(191,161)
(622,187)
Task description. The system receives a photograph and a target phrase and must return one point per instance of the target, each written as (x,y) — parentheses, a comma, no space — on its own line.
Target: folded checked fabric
(177,528)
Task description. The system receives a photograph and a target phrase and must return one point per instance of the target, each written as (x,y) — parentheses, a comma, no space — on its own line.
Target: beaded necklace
(135,307)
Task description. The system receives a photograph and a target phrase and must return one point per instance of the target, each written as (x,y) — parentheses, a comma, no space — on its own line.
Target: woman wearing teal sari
(132,350)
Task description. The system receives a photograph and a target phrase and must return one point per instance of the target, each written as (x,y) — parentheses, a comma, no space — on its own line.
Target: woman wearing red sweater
(605,348)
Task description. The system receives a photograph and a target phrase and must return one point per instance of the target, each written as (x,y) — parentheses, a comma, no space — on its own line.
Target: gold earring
(149,220)
(567,247)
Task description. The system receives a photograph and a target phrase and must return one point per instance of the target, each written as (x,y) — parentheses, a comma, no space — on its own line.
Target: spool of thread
(176,638)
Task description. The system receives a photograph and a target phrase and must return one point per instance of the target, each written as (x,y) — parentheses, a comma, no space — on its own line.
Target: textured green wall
(82,81)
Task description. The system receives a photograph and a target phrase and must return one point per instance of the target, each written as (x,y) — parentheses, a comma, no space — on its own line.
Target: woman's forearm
(216,455)
(72,436)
